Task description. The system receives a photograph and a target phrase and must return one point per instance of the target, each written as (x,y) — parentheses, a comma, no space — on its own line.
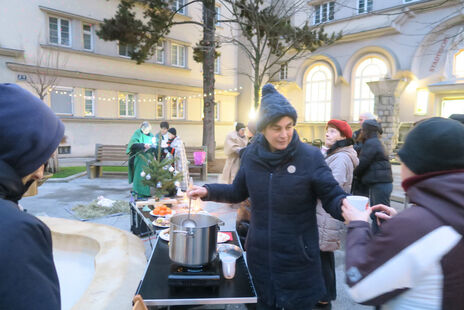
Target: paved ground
(56,198)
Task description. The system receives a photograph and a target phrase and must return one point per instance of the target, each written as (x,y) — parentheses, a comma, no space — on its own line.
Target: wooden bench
(106,155)
(202,169)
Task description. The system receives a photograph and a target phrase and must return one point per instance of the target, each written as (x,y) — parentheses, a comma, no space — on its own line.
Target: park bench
(106,155)
(201,169)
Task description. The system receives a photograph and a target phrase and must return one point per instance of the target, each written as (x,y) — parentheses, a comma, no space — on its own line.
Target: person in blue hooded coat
(283,178)
(29,133)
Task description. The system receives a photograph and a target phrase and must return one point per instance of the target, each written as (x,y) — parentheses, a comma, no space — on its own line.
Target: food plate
(158,215)
(222,237)
(164,234)
(162,222)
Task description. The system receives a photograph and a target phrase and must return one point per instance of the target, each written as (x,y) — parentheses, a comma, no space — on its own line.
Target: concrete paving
(56,198)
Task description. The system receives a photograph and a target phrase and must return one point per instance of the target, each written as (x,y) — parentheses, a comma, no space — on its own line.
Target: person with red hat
(341,158)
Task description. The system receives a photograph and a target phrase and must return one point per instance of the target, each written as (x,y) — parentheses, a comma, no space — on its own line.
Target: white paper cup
(359,202)
(228,266)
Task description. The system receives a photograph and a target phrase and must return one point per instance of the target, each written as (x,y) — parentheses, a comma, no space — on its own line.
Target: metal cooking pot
(194,246)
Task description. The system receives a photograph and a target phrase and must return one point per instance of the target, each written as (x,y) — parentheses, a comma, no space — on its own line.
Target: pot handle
(189,233)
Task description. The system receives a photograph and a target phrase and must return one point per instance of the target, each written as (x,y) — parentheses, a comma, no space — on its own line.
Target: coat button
(291,169)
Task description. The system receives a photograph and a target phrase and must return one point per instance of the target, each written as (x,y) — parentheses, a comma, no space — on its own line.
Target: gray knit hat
(273,107)
(436,144)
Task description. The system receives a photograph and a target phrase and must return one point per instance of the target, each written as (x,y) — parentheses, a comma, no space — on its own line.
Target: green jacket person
(140,151)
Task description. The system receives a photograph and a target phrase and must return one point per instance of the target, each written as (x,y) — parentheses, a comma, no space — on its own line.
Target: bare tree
(268,38)
(44,76)
(43,79)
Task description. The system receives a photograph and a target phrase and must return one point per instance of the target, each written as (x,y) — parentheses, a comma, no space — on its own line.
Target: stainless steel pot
(194,246)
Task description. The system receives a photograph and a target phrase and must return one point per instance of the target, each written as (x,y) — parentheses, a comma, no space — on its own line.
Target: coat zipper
(269,226)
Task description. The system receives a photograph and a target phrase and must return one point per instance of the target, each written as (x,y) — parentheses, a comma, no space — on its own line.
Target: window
(422,102)
(365,6)
(126,104)
(324,12)
(125,50)
(452,106)
(177,108)
(370,69)
(178,5)
(283,71)
(59,31)
(218,16)
(61,101)
(318,94)
(87,37)
(459,64)
(177,55)
(160,52)
(160,103)
(89,99)
(217,65)
(216,110)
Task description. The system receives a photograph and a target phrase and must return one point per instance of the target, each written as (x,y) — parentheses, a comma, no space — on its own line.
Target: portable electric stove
(200,276)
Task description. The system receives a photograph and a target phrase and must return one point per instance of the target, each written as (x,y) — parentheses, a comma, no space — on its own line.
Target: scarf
(279,157)
(339,144)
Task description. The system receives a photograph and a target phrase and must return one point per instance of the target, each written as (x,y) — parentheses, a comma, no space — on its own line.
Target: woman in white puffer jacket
(341,159)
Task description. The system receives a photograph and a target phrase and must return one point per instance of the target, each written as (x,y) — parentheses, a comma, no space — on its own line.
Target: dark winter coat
(282,242)
(374,166)
(28,275)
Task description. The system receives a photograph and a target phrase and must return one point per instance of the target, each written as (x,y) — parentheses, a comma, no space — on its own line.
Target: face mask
(146,131)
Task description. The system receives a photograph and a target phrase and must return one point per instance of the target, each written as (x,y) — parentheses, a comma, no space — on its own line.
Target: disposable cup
(228,266)
(359,202)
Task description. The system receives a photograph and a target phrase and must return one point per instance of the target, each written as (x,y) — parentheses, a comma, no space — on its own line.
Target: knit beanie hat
(457,117)
(436,144)
(341,126)
(273,107)
(28,146)
(173,131)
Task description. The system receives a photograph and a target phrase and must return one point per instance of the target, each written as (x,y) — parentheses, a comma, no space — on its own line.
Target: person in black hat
(415,261)
(374,167)
(28,275)
(283,178)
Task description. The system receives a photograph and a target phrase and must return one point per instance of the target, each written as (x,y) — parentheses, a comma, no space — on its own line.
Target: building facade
(413,48)
(418,44)
(100,94)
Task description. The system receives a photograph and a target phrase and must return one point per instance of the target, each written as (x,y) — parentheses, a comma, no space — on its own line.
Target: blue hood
(29,131)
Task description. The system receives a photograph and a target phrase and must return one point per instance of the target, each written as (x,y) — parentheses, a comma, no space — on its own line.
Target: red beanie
(342,126)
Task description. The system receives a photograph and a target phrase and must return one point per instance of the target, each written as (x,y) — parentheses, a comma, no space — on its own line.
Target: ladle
(189,223)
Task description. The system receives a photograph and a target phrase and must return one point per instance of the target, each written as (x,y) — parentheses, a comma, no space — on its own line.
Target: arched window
(318,98)
(370,69)
(459,64)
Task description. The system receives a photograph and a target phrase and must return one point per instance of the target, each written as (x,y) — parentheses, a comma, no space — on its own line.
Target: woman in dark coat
(374,168)
(283,178)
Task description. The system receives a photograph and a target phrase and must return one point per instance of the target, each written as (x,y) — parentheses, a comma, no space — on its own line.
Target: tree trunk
(209,12)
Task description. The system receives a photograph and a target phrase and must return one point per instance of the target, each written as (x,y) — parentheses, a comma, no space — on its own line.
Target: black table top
(155,290)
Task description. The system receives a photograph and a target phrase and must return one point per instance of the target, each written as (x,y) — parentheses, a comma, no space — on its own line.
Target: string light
(154,99)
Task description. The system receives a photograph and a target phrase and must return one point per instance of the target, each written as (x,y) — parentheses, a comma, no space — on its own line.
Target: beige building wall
(108,74)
